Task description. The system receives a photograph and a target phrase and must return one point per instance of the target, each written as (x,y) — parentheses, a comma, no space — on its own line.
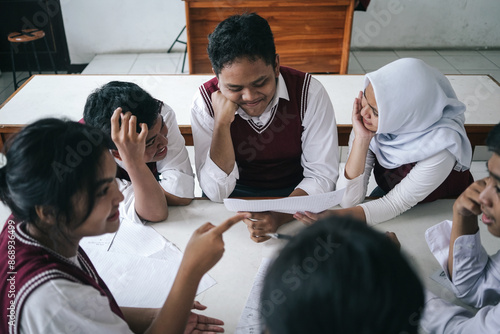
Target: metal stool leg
(36,58)
(177,40)
(50,55)
(13,66)
(184,61)
(27,59)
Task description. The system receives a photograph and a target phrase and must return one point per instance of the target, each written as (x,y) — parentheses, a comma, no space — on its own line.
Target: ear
(116,154)
(46,214)
(277,68)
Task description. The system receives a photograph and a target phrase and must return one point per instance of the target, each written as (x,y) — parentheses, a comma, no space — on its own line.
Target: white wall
(403,24)
(121,26)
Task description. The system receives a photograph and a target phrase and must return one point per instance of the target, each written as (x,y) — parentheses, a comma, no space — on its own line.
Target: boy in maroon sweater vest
(261,129)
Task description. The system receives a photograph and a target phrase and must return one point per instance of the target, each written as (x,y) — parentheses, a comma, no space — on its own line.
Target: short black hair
(47,163)
(102,102)
(241,36)
(493,140)
(341,276)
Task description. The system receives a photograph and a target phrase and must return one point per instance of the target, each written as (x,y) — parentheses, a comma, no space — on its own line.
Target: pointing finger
(223,227)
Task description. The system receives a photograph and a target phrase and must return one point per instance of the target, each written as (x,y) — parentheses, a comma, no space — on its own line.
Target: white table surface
(236,270)
(65,95)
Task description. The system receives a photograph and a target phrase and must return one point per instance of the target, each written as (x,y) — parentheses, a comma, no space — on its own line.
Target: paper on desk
(291,205)
(137,281)
(140,266)
(251,321)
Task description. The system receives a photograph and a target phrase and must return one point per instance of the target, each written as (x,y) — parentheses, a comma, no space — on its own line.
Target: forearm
(139,319)
(221,149)
(462,225)
(355,212)
(355,165)
(150,200)
(173,200)
(173,316)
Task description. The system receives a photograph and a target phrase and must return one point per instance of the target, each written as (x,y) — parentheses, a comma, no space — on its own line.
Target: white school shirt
(421,181)
(320,154)
(62,306)
(476,282)
(176,174)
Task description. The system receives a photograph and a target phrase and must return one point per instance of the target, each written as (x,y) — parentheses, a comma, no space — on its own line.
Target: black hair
(341,276)
(247,35)
(102,102)
(47,163)
(493,140)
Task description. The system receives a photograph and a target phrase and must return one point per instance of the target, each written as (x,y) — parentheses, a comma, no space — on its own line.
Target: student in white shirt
(408,127)
(341,276)
(154,168)
(59,181)
(261,129)
(474,275)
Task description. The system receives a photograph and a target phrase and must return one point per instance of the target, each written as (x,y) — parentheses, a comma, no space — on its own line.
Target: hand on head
(468,203)
(130,144)
(224,109)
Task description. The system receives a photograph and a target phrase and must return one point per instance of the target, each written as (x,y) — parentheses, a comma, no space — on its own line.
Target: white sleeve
(320,149)
(421,181)
(214,182)
(62,306)
(356,188)
(476,276)
(176,173)
(442,317)
(127,206)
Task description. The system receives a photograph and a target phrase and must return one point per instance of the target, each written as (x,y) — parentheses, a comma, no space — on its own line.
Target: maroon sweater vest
(269,156)
(452,186)
(27,264)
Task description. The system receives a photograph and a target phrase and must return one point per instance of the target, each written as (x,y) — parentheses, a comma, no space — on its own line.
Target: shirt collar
(281,93)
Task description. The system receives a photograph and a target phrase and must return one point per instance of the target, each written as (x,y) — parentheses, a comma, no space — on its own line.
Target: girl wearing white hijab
(408,126)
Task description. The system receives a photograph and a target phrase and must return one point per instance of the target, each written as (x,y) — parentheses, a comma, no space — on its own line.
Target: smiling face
(249,84)
(104,217)
(156,141)
(490,197)
(369,110)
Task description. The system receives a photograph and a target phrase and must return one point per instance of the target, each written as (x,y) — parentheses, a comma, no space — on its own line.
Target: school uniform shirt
(424,177)
(49,293)
(319,143)
(475,281)
(420,121)
(174,171)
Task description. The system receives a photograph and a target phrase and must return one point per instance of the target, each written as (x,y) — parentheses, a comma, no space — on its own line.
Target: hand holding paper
(290,205)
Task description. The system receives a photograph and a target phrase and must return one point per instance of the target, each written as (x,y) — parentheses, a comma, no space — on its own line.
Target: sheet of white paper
(102,242)
(140,266)
(251,321)
(137,281)
(313,203)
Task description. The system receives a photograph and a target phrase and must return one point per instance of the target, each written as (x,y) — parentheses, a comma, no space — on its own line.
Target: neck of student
(57,242)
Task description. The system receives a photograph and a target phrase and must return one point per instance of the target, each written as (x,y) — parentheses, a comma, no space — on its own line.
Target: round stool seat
(26,35)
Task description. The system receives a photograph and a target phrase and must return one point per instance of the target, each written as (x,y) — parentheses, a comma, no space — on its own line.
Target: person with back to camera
(475,276)
(341,276)
(154,168)
(408,127)
(48,284)
(261,129)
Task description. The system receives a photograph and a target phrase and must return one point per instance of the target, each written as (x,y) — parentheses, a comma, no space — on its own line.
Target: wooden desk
(310,35)
(236,271)
(65,96)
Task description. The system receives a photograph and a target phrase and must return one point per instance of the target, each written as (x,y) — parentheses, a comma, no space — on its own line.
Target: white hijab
(419,115)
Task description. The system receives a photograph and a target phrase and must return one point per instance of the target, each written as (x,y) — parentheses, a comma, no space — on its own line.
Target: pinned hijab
(419,115)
